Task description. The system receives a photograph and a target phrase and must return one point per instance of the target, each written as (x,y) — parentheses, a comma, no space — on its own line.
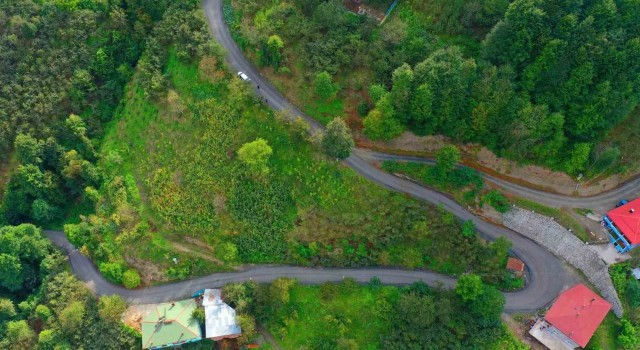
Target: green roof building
(170,324)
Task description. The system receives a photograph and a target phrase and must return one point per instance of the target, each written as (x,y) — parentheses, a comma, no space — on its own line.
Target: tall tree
(337,141)
(446,159)
(401,91)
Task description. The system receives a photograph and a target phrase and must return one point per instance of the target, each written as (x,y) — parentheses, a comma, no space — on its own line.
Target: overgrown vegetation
(464,183)
(43,306)
(63,68)
(350,316)
(532,80)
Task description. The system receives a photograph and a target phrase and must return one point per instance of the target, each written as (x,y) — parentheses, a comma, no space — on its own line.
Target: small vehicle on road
(621,203)
(243,76)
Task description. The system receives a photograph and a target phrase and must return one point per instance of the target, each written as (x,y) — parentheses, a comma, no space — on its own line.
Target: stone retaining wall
(559,241)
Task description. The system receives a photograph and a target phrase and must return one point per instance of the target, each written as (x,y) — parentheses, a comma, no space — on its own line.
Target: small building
(170,324)
(623,224)
(220,318)
(571,320)
(516,266)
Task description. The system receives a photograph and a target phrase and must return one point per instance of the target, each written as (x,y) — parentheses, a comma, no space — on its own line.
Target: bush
(255,155)
(131,279)
(633,293)
(497,201)
(377,126)
(112,271)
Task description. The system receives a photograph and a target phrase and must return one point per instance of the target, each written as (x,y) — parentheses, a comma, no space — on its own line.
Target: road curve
(86,271)
(547,275)
(600,202)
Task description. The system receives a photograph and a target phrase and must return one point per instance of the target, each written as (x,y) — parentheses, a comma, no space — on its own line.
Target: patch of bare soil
(149,272)
(484,160)
(197,242)
(521,330)
(184,249)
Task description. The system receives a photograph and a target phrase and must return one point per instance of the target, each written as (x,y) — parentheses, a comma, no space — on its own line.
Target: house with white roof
(220,318)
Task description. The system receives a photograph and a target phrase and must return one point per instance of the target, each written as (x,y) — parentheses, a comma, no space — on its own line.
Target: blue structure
(616,237)
(623,224)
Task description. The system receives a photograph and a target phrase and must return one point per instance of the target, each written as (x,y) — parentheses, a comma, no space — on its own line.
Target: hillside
(531,80)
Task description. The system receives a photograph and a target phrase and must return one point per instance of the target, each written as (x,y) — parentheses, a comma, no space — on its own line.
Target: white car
(243,76)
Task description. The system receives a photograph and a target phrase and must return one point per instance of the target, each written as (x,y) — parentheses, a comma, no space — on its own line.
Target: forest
(535,81)
(43,306)
(63,71)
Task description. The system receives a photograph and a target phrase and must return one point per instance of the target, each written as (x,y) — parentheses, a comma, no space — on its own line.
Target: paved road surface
(600,203)
(547,275)
(87,272)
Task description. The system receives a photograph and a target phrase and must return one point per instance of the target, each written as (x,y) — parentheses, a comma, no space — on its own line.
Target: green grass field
(317,316)
(186,194)
(350,312)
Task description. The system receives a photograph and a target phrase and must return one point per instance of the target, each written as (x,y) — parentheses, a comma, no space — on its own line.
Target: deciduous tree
(255,155)
(337,141)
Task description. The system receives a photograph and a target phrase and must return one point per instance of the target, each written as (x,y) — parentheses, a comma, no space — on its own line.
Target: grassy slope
(605,336)
(184,171)
(349,311)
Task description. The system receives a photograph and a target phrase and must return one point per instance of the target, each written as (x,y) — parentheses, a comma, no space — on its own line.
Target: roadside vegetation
(467,186)
(463,183)
(347,315)
(514,76)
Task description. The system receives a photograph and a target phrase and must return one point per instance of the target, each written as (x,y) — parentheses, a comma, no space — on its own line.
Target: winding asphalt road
(547,274)
(601,202)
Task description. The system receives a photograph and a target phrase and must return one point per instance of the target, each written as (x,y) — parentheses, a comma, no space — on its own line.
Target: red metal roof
(577,313)
(514,264)
(627,219)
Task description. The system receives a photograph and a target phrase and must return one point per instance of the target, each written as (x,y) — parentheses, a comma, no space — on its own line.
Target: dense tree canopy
(534,80)
(63,67)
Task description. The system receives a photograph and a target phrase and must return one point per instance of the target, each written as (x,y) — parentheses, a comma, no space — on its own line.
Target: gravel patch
(555,238)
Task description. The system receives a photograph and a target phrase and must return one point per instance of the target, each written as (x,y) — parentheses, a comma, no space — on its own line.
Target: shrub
(112,271)
(497,201)
(380,127)
(131,279)
(255,155)
(43,313)
(324,86)
(633,293)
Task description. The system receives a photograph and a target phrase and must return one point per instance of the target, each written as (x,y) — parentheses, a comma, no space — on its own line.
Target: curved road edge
(602,201)
(547,274)
(86,271)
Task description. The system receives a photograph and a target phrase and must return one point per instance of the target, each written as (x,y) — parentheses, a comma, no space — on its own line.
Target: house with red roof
(623,224)
(572,319)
